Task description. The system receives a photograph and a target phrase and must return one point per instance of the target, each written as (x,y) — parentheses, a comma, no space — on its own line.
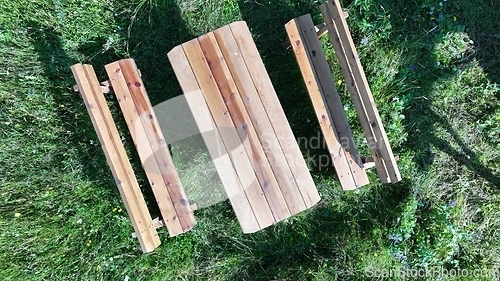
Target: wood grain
(140,139)
(220,155)
(274,111)
(116,156)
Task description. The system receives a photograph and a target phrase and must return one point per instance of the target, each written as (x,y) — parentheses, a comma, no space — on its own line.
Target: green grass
(434,72)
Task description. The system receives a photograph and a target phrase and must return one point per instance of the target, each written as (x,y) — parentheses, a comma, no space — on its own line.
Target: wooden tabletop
(229,92)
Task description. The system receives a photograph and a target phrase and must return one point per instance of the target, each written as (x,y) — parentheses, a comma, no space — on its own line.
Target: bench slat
(205,123)
(260,120)
(274,111)
(144,150)
(244,125)
(337,153)
(367,110)
(116,156)
(157,142)
(323,93)
(229,134)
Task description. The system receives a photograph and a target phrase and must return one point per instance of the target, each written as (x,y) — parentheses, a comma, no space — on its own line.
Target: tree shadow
(423,123)
(149,36)
(56,66)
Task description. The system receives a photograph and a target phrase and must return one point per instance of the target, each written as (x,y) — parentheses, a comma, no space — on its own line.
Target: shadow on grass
(150,37)
(56,65)
(423,122)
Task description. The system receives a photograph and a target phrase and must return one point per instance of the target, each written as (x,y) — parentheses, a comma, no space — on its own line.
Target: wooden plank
(116,156)
(249,97)
(332,140)
(245,127)
(239,157)
(332,99)
(383,149)
(236,194)
(353,90)
(274,111)
(157,142)
(144,149)
(219,153)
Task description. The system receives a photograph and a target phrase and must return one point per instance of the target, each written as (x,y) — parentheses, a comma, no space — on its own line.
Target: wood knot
(137,84)
(297,42)
(118,70)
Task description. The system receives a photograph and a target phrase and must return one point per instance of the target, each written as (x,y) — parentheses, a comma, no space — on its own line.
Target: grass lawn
(434,69)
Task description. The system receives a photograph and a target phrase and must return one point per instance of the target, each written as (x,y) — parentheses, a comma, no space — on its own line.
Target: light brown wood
(245,127)
(257,114)
(116,156)
(216,148)
(312,82)
(220,114)
(157,142)
(144,149)
(332,99)
(332,11)
(353,90)
(235,191)
(274,111)
(321,30)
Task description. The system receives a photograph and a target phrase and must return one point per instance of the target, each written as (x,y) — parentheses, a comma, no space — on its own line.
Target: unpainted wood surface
(144,149)
(157,142)
(259,118)
(274,111)
(116,156)
(220,155)
(332,11)
(323,86)
(239,156)
(245,128)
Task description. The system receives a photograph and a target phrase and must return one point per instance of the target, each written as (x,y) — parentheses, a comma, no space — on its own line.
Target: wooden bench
(129,89)
(229,92)
(303,36)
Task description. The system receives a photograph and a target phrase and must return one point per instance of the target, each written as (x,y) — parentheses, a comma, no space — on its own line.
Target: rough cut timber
(357,83)
(150,143)
(110,140)
(326,102)
(229,91)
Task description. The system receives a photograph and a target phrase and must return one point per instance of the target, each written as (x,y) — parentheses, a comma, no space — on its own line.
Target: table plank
(229,135)
(259,118)
(274,111)
(244,125)
(205,123)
